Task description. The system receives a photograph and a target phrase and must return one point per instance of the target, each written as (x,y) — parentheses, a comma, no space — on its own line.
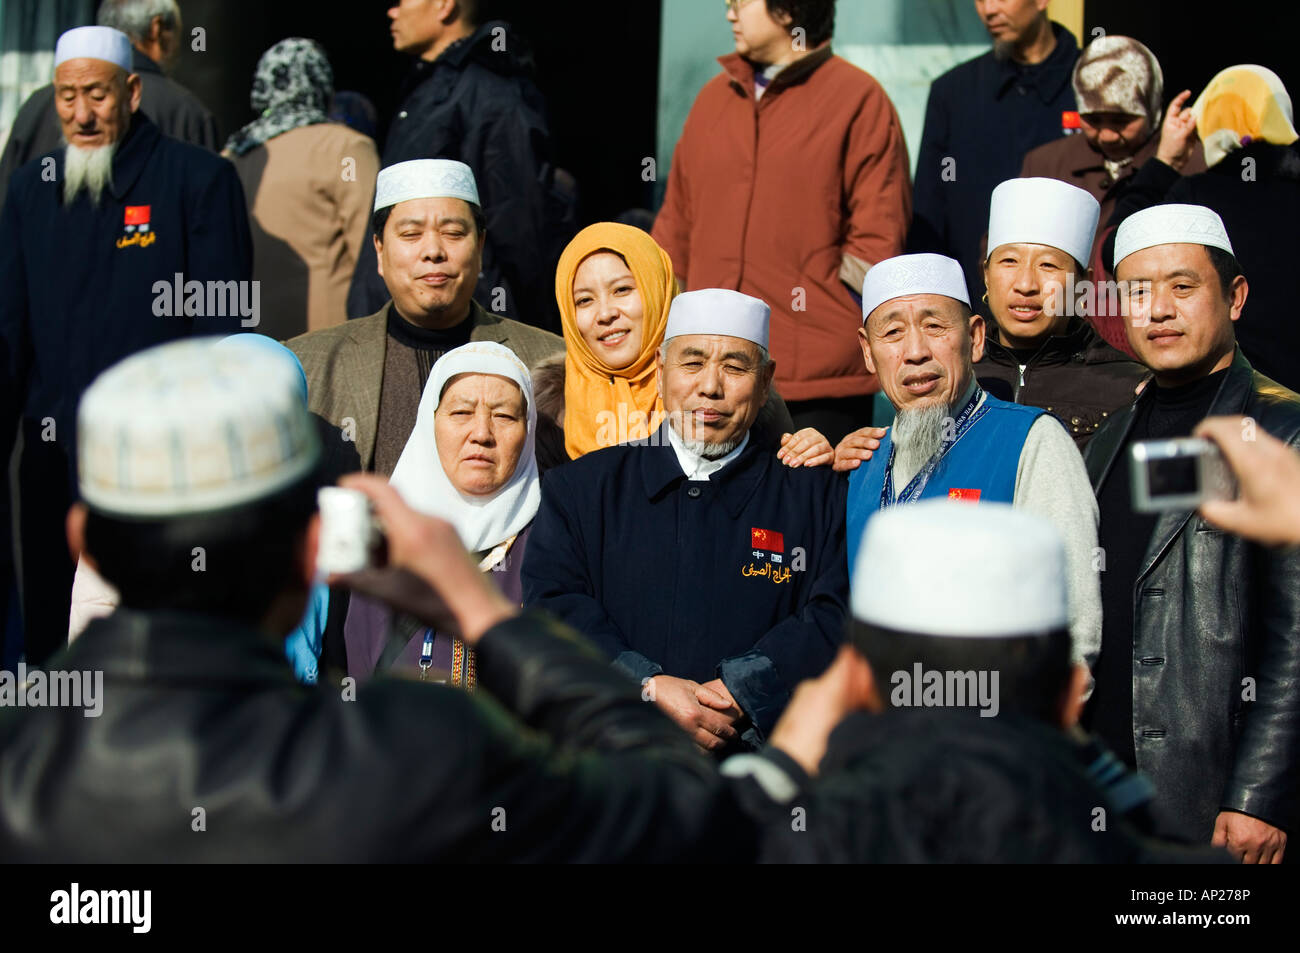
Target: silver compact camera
(1179,474)
(350,537)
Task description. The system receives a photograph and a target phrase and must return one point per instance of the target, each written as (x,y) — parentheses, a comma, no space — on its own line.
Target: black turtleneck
(1124,535)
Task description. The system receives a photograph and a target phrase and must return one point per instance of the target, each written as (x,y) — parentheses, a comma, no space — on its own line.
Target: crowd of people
(674,590)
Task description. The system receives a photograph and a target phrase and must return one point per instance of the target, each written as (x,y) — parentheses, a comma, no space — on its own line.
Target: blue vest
(980,465)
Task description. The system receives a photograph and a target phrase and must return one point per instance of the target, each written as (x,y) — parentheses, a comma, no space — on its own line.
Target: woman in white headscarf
(471,461)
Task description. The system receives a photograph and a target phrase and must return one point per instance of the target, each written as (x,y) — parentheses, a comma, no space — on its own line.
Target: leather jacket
(1212,610)
(200,713)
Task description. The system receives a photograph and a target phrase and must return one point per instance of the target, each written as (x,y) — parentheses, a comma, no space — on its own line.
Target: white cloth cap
(481,521)
(1000,571)
(719,311)
(1170,225)
(96,43)
(425,179)
(1044,212)
(923,274)
(188,427)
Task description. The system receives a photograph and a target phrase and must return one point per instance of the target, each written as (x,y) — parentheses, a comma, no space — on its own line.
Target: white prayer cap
(425,179)
(719,311)
(192,426)
(1002,573)
(923,274)
(1044,212)
(1170,225)
(96,43)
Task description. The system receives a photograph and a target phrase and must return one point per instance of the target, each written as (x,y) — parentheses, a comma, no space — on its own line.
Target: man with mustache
(366,376)
(95,241)
(701,564)
(1196,684)
(951,439)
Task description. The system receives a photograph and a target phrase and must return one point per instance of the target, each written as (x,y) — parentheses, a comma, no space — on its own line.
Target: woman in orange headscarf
(614,286)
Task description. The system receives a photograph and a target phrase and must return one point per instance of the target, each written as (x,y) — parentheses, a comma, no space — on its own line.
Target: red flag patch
(767,539)
(137,214)
(964,496)
(1071,120)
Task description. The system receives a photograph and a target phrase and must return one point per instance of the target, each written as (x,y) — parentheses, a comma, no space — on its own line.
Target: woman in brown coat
(309,184)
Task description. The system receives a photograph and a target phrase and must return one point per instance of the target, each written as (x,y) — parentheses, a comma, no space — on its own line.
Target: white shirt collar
(695,466)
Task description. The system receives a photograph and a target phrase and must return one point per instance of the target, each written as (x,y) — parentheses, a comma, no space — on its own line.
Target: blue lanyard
(426,653)
(972,412)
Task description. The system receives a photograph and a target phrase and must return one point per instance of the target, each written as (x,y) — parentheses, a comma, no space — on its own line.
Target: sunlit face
(1028,285)
(712,385)
(610,314)
(757,35)
(1010,21)
(430,259)
(923,348)
(480,427)
(1179,323)
(1115,135)
(417,25)
(94,100)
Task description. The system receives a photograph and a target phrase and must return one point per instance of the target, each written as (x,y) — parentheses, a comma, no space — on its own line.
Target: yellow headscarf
(1243,104)
(604,406)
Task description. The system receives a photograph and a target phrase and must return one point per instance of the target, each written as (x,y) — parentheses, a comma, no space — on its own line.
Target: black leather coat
(203,714)
(1210,611)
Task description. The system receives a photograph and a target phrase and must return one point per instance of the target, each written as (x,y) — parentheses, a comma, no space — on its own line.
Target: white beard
(88,168)
(711,451)
(917,436)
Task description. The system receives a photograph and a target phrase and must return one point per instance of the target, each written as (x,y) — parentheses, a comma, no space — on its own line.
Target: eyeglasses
(734,5)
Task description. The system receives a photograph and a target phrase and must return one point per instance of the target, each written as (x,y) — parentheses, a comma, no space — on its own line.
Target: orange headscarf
(604,406)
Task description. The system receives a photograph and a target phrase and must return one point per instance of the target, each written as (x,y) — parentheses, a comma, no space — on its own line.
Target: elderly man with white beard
(121,240)
(951,439)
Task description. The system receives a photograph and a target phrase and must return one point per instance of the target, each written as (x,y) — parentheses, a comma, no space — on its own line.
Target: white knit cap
(719,311)
(1002,573)
(425,179)
(192,426)
(923,274)
(1170,225)
(1044,212)
(96,43)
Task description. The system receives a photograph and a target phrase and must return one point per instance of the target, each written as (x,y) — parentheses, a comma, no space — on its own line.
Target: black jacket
(478,103)
(947,786)
(174,109)
(1211,610)
(203,714)
(1256,191)
(981,118)
(1076,376)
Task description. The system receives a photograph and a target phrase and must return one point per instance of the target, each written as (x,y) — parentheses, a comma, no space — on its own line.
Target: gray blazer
(345,366)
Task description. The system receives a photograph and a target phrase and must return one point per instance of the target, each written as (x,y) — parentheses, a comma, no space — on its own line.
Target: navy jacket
(981,118)
(741,577)
(478,103)
(77,298)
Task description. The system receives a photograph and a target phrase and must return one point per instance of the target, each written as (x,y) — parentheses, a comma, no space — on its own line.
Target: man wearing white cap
(366,376)
(1040,350)
(945,730)
(951,439)
(122,239)
(199,471)
(1201,654)
(703,566)
(156,33)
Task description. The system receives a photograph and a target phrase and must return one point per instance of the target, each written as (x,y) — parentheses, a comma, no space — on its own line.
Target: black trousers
(45,494)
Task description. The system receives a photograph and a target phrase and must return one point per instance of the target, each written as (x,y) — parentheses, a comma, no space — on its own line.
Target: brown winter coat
(767,197)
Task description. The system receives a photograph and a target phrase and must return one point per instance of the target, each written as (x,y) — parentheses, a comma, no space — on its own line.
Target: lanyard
(972,412)
(426,654)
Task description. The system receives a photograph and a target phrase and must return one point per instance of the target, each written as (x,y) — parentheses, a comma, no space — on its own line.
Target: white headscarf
(482,521)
